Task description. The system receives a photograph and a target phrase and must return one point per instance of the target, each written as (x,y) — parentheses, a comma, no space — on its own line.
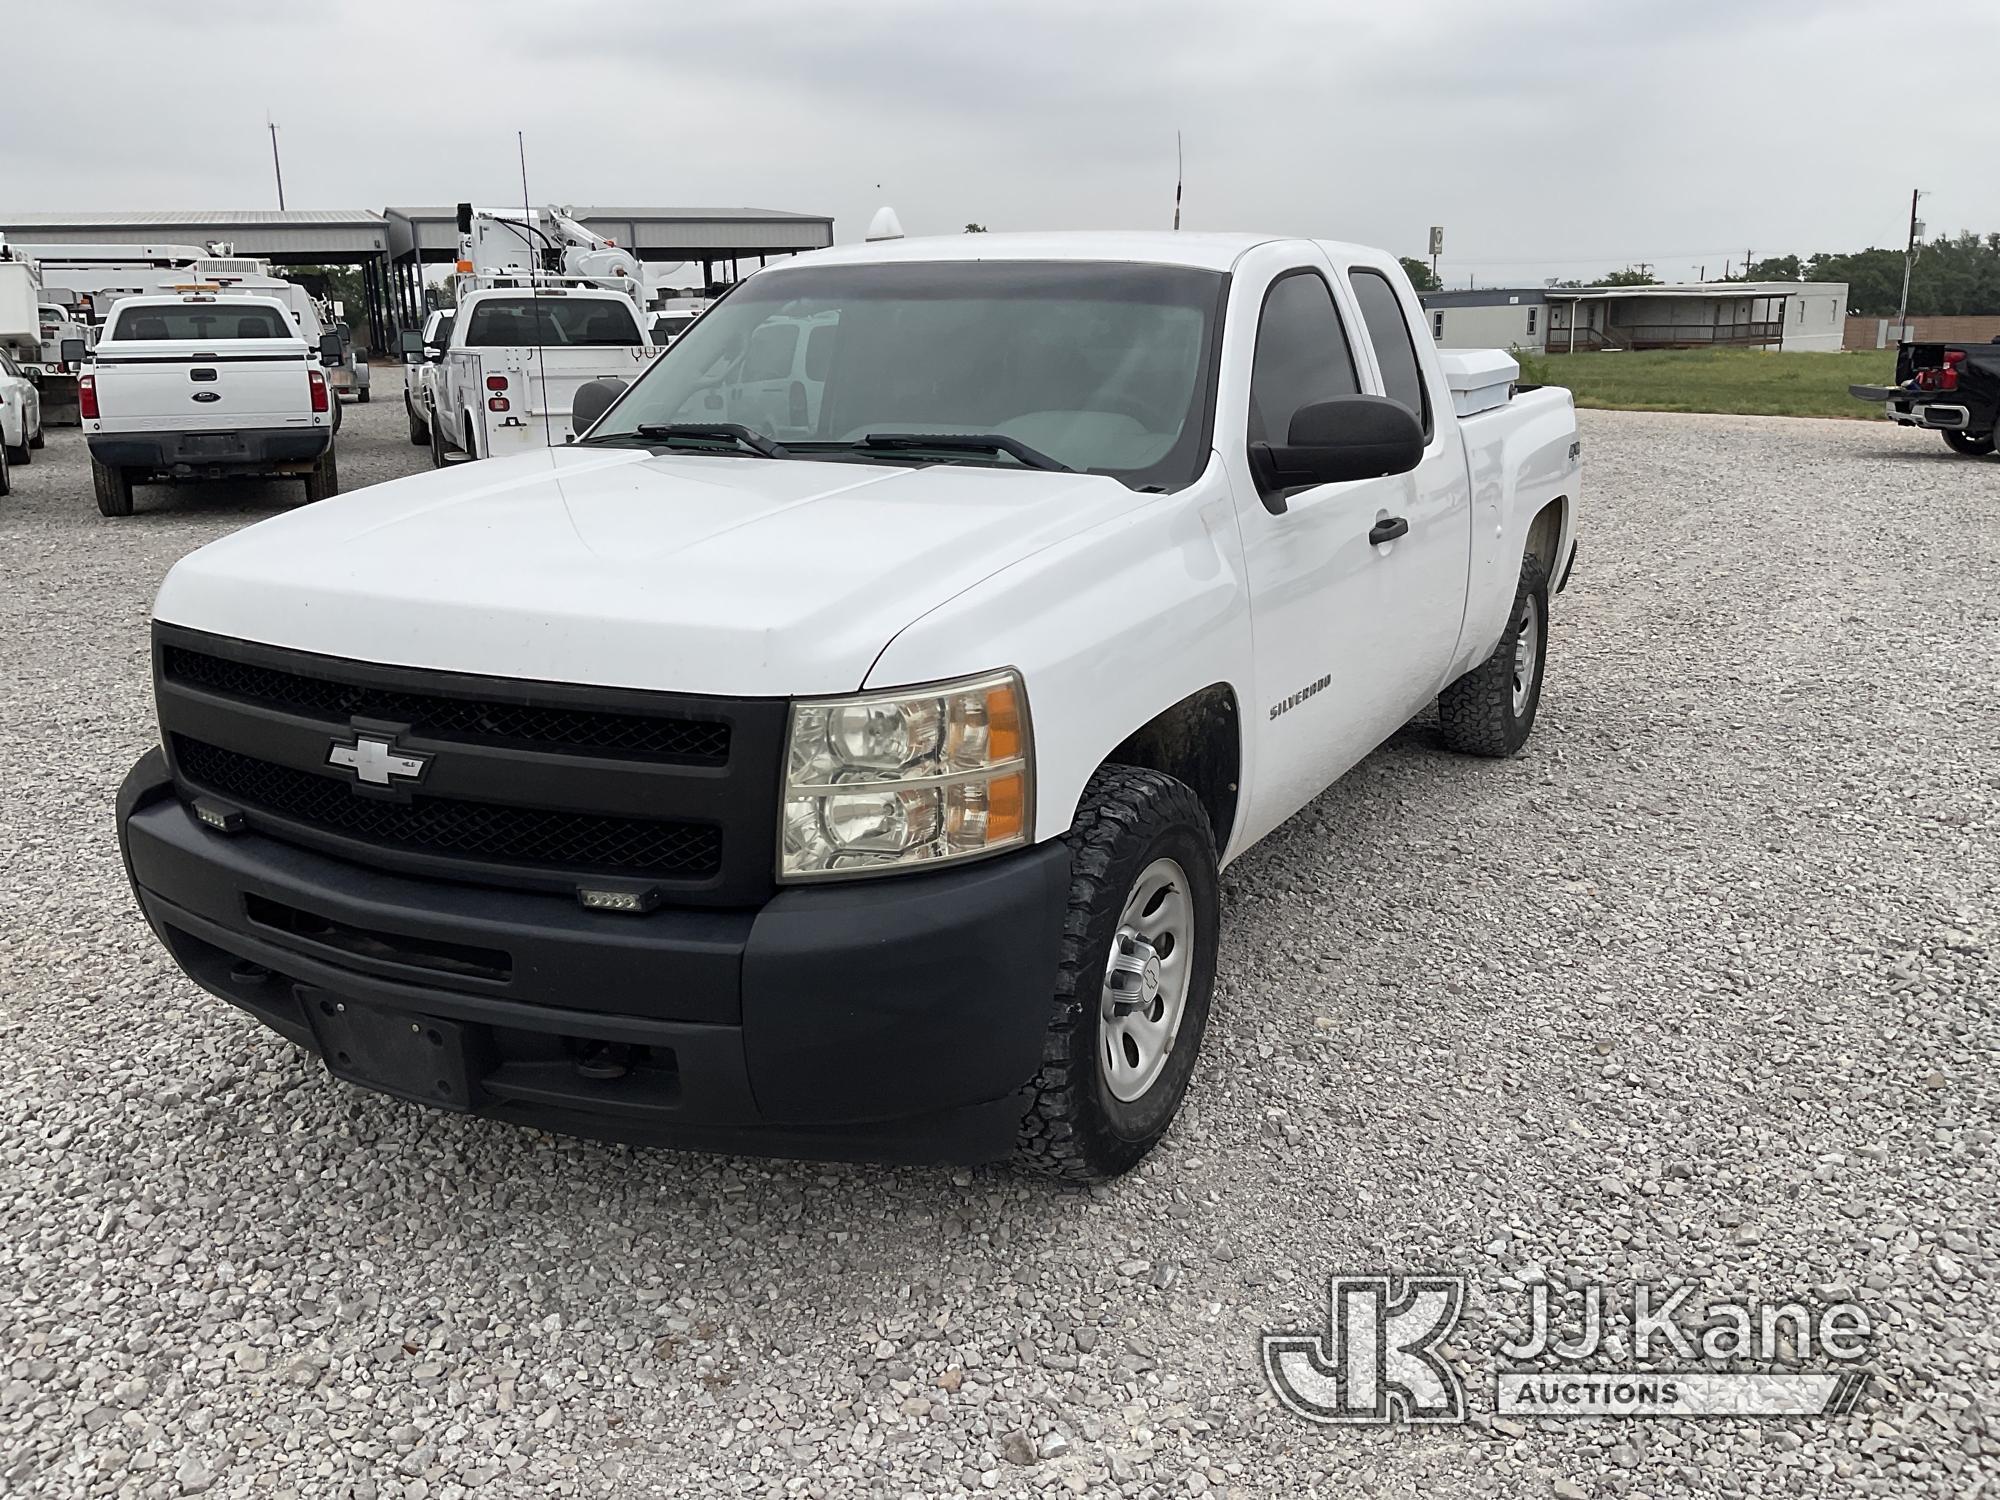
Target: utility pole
(276,170)
(1909,260)
(1749,259)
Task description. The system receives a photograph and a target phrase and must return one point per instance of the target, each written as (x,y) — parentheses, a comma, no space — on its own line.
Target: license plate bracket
(416,1057)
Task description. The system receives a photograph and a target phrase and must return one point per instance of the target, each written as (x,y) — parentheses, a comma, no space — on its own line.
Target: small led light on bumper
(891,780)
(633,899)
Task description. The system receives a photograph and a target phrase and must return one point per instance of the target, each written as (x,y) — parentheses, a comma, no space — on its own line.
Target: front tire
(323,479)
(40,439)
(113,487)
(20,453)
(1135,979)
(6,478)
(1490,711)
(1967,444)
(437,443)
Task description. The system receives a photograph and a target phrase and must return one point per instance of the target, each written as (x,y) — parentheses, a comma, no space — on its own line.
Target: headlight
(910,777)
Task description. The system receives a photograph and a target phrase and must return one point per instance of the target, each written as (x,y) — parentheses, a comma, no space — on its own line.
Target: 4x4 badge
(377,761)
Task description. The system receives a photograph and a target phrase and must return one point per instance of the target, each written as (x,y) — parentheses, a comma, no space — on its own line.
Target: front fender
(1107,627)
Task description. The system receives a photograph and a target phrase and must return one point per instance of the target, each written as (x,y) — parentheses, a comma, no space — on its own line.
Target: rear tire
(420,430)
(1490,711)
(113,487)
(40,439)
(1115,1070)
(6,478)
(21,454)
(362,395)
(323,479)
(1967,444)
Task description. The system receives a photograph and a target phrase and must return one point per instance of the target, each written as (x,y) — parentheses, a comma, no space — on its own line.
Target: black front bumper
(889,1019)
(250,450)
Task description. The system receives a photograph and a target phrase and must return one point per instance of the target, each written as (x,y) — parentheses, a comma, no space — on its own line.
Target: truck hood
(718,575)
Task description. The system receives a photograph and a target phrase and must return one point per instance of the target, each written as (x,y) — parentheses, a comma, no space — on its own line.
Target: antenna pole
(534,284)
(1180,174)
(277,170)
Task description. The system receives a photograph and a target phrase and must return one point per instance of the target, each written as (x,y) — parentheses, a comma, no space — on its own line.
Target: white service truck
(205,385)
(515,360)
(862,791)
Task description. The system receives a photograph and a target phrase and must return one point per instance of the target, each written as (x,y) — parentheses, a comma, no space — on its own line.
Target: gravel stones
(1699,988)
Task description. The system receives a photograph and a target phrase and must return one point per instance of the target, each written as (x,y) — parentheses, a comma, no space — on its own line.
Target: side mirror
(410,342)
(329,348)
(1330,442)
(592,400)
(74,351)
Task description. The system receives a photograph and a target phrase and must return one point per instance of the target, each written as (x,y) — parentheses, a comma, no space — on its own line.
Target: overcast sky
(1549,137)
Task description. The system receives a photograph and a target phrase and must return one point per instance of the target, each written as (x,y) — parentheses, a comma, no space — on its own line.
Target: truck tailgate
(147,386)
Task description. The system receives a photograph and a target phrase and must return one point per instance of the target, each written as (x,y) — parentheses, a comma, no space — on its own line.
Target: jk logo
(1378,1361)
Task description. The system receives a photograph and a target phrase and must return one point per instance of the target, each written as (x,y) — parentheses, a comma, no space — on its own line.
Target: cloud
(1549,137)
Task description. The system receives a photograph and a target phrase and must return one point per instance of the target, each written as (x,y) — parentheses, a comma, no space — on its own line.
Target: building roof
(1496,296)
(299,235)
(1698,289)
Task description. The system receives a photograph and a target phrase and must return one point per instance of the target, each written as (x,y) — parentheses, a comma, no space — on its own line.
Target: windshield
(671,325)
(549,320)
(201,320)
(1103,367)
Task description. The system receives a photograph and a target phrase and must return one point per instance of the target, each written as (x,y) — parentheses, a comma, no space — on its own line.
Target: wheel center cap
(1150,976)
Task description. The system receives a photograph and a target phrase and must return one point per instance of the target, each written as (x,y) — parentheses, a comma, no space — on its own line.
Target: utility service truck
(544,307)
(862,791)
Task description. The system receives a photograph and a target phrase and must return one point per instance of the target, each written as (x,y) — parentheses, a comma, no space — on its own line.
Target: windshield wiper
(951,442)
(707,434)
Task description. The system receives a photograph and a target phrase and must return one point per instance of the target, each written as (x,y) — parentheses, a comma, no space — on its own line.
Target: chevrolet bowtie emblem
(376,761)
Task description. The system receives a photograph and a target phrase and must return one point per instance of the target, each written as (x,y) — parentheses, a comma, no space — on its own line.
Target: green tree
(1421,276)
(975,229)
(1630,276)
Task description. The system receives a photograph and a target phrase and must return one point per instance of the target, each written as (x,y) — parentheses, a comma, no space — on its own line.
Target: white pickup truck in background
(423,358)
(854,782)
(515,361)
(203,385)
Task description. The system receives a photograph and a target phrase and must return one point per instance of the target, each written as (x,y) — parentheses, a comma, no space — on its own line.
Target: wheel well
(1198,741)
(1545,534)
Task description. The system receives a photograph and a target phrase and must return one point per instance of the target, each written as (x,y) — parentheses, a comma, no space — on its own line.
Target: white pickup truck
(515,360)
(203,385)
(423,358)
(862,793)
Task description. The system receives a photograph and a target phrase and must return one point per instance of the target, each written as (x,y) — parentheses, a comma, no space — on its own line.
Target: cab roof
(1208,252)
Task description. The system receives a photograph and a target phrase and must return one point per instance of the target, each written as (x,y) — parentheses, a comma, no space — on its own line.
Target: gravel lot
(1701,989)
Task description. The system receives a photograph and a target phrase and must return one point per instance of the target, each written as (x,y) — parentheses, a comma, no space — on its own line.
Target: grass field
(1749,382)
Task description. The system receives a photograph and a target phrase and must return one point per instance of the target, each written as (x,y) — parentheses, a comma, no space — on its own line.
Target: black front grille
(691,741)
(585,843)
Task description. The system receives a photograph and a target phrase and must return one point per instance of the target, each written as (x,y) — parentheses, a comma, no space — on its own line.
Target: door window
(1389,331)
(1302,355)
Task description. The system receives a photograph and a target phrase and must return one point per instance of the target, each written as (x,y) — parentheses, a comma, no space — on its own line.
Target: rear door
(1427,568)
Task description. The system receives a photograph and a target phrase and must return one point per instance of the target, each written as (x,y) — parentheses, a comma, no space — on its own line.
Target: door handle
(1388,530)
